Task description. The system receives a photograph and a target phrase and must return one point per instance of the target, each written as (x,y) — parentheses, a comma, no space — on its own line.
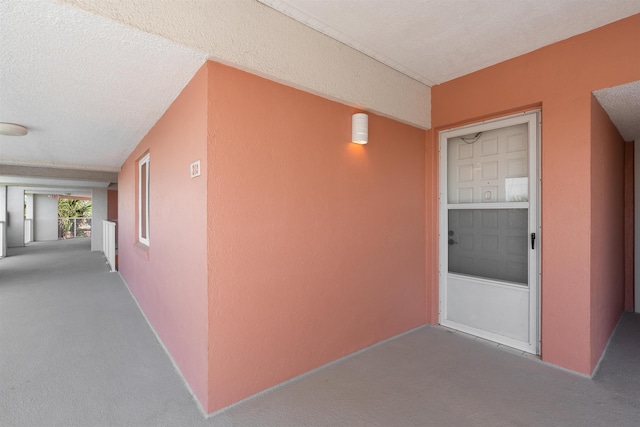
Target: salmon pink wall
(316,244)
(560,79)
(169,278)
(112,204)
(629,250)
(607,229)
(112,207)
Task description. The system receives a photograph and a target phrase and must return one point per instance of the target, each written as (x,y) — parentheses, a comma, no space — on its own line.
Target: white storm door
(489,236)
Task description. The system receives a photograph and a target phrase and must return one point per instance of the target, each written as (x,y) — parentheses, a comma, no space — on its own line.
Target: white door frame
(532,118)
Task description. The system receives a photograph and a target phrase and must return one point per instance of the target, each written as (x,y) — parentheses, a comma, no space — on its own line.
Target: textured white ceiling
(90,85)
(251,36)
(622,103)
(88,88)
(437,40)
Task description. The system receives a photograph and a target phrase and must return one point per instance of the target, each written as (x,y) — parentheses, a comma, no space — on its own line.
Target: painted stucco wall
(112,204)
(629,225)
(112,208)
(98,214)
(558,78)
(636,232)
(28,215)
(15,217)
(316,244)
(28,201)
(607,229)
(169,278)
(3,218)
(45,221)
(3,203)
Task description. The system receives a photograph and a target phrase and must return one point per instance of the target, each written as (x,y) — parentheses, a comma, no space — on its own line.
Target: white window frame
(143,161)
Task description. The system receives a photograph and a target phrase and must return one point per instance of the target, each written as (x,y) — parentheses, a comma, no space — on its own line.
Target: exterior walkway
(75,351)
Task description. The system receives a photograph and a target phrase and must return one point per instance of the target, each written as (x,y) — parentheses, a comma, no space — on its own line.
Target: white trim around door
(489,234)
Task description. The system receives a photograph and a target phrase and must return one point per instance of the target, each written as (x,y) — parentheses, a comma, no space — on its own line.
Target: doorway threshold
(490,343)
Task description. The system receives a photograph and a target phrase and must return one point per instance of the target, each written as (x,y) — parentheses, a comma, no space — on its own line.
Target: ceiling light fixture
(12,129)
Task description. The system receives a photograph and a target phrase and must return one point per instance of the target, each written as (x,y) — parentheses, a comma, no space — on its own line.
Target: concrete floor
(75,351)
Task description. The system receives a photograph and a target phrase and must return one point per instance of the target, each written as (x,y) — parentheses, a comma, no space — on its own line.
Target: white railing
(28,230)
(109,243)
(3,240)
(70,228)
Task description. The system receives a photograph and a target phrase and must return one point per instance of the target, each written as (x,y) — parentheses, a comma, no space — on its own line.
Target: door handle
(533,240)
(452,242)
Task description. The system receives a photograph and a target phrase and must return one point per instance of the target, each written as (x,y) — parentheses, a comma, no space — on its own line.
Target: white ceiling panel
(87,88)
(622,104)
(437,40)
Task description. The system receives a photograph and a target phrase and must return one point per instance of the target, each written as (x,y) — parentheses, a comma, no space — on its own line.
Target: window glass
(143,200)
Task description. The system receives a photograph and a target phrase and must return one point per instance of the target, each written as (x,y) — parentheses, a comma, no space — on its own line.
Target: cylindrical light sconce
(360,128)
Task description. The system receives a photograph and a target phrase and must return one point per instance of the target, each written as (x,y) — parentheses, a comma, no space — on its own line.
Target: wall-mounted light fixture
(360,128)
(12,129)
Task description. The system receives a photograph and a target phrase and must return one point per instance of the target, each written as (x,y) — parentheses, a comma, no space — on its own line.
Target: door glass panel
(489,167)
(489,243)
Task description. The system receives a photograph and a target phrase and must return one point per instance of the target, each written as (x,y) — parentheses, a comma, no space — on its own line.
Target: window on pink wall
(143,200)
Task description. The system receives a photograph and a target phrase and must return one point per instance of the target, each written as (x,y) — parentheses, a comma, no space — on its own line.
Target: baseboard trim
(173,362)
(314,370)
(606,347)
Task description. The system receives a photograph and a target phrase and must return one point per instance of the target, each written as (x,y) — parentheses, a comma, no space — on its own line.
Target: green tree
(71,208)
